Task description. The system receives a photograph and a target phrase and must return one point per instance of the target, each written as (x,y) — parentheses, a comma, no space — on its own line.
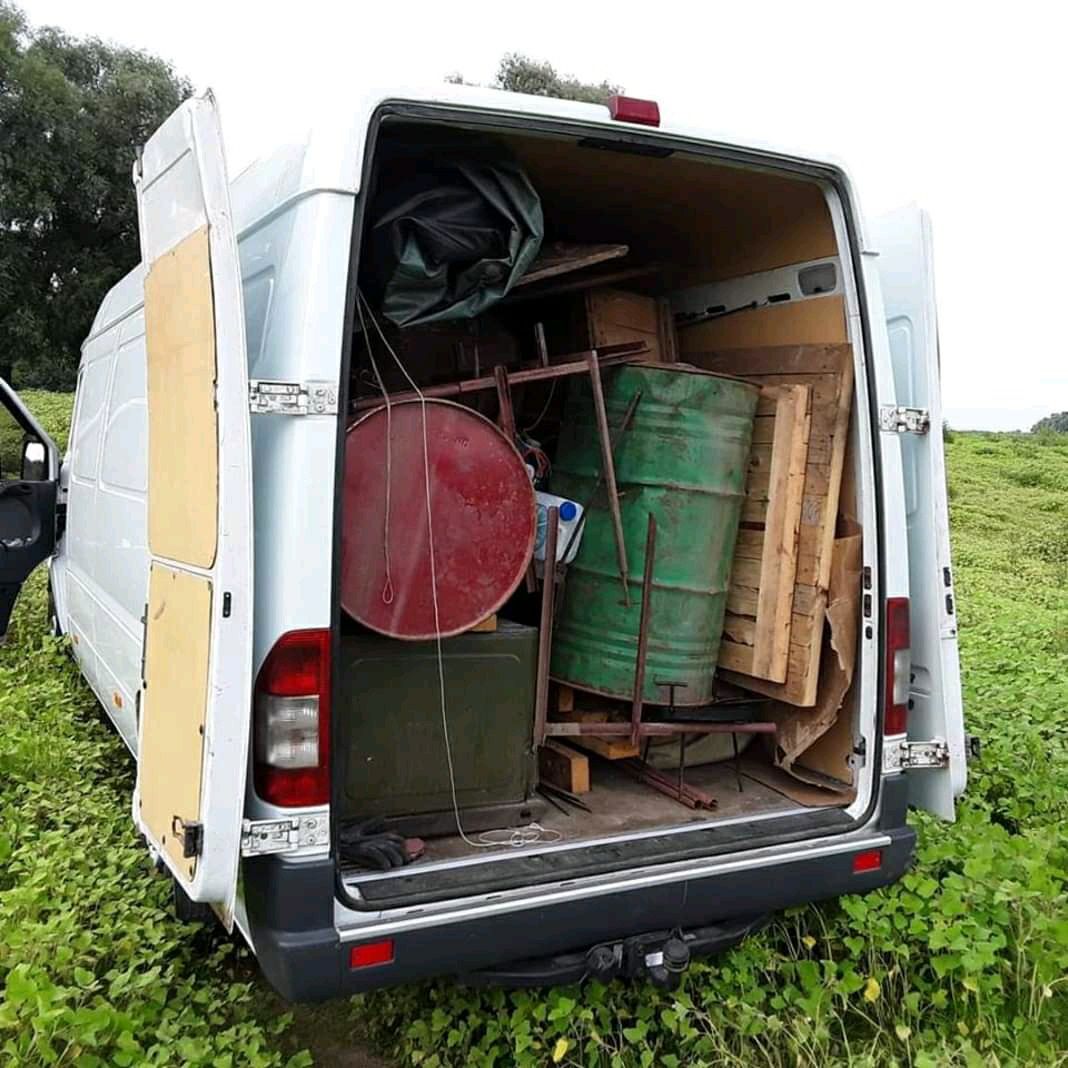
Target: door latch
(190,834)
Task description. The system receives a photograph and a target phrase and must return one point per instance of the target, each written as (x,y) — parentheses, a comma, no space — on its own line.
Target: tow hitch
(660,957)
(660,960)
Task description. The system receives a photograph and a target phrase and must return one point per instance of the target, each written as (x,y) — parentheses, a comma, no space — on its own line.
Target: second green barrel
(683,459)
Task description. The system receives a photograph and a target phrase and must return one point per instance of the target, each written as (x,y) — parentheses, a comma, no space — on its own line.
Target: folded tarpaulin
(453,239)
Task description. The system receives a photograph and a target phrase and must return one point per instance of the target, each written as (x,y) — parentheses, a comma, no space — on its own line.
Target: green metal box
(388,723)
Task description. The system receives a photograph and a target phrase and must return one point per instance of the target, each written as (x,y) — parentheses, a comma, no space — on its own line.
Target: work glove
(368,844)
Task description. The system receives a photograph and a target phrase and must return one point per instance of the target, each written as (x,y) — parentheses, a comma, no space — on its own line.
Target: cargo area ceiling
(701,220)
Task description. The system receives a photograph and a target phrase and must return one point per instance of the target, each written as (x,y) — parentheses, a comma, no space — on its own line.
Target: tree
(1058,422)
(518,73)
(72,115)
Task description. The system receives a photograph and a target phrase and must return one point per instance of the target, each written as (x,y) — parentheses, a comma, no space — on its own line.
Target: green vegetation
(962,963)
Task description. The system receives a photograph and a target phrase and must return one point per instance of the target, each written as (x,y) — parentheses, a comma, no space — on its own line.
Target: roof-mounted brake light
(632,109)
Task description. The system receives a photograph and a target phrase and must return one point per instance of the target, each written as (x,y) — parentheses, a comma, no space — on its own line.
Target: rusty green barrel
(683,459)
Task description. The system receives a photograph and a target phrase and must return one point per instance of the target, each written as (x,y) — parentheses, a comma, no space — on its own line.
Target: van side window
(85,441)
(123,465)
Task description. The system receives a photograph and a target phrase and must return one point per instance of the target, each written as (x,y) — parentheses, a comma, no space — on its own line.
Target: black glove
(369,845)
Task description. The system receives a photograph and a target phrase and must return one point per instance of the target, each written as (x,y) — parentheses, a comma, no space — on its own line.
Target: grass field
(962,963)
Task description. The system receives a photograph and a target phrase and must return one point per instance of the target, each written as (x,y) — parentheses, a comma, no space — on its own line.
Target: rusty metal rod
(545,627)
(617,436)
(643,628)
(608,468)
(606,356)
(562,729)
(686,795)
(505,411)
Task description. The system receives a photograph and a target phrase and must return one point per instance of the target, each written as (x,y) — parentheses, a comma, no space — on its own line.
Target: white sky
(959,106)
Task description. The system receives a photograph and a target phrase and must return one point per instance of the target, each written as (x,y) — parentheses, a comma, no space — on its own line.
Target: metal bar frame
(576,364)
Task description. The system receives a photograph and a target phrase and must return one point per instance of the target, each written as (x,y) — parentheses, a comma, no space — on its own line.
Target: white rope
(531,834)
(387,588)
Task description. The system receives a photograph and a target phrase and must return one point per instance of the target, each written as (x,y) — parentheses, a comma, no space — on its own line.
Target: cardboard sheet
(801,728)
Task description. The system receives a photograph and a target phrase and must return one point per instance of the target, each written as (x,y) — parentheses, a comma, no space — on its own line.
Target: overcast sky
(959,106)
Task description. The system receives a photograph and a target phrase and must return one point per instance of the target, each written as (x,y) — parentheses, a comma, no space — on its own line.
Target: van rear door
(937,774)
(193,731)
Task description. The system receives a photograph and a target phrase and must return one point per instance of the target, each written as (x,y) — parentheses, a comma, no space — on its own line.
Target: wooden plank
(610,748)
(177,656)
(565,697)
(760,600)
(788,479)
(563,766)
(183,426)
(739,629)
(827,371)
(561,257)
(487,626)
(616,317)
(669,338)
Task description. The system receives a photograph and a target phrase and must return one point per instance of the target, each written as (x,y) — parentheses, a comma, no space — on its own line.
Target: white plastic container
(569,518)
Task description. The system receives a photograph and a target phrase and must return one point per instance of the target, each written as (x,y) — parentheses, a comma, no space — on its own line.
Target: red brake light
(291,721)
(371,953)
(631,109)
(869,860)
(898,666)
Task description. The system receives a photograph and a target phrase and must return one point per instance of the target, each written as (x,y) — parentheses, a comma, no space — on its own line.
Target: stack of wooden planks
(760,603)
(827,372)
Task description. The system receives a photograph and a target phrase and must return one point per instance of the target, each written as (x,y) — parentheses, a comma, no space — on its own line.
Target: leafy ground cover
(964,962)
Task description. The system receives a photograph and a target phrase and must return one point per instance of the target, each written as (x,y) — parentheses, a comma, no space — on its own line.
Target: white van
(194,530)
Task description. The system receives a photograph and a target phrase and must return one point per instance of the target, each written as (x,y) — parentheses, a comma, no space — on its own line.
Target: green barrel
(683,459)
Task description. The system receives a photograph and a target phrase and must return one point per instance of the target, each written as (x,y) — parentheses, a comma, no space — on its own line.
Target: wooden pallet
(828,372)
(765,558)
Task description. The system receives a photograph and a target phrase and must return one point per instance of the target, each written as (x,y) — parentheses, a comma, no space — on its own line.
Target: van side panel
(105,554)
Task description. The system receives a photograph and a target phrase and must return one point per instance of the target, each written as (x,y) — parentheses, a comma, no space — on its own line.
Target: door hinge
(903,756)
(292,398)
(190,834)
(897,420)
(259,837)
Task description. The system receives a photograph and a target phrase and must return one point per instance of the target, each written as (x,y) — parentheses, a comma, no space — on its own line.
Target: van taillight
(291,721)
(633,109)
(898,666)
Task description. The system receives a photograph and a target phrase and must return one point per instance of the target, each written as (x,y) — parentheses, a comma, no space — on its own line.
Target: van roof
(327,157)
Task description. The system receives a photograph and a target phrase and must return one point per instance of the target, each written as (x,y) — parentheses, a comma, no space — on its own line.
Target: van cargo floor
(600,840)
(619,804)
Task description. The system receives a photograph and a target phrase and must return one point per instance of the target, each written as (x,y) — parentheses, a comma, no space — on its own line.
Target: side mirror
(34,461)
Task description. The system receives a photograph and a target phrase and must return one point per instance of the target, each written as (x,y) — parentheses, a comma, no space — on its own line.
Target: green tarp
(453,239)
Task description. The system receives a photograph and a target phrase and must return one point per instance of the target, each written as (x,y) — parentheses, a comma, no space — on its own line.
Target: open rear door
(937,774)
(195,704)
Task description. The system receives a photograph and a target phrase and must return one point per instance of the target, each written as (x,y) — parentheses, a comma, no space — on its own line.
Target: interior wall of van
(694,228)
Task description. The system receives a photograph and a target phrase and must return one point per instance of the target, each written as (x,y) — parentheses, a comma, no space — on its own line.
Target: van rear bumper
(290,907)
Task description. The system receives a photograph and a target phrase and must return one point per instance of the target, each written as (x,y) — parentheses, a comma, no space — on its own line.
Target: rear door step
(415,886)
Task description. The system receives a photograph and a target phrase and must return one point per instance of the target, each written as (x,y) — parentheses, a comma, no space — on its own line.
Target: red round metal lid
(482,511)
